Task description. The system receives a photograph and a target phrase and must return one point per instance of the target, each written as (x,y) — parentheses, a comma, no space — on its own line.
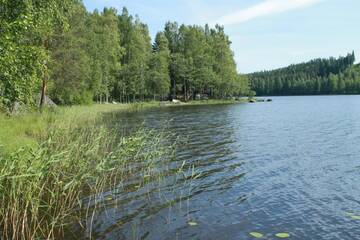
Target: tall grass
(31,128)
(66,156)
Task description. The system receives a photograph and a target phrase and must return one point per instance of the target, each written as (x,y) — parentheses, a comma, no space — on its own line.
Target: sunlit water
(292,165)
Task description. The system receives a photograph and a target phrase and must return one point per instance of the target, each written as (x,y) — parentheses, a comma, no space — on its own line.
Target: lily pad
(349,213)
(192,223)
(355,217)
(256,234)
(282,235)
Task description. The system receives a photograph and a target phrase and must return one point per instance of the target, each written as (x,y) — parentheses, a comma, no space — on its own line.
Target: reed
(61,157)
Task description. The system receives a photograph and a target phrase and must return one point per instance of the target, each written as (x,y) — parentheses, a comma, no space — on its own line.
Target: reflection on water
(288,166)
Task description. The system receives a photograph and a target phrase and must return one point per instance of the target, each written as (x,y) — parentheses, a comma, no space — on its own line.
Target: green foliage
(103,56)
(159,80)
(105,52)
(25,27)
(70,65)
(20,60)
(202,62)
(131,83)
(320,76)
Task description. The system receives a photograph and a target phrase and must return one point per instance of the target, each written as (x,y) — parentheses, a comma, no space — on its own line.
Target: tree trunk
(185,91)
(174,89)
(43,88)
(46,77)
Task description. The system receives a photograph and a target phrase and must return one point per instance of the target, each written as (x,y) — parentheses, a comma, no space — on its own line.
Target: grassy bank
(32,128)
(50,161)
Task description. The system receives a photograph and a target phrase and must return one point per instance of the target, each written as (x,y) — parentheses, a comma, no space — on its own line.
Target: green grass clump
(65,155)
(31,128)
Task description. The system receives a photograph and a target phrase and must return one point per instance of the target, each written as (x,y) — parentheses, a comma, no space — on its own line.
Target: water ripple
(287,166)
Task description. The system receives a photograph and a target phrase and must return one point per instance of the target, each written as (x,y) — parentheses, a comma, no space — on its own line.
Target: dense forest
(76,57)
(319,76)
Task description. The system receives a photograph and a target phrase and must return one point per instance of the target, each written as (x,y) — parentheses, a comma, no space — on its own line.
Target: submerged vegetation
(65,156)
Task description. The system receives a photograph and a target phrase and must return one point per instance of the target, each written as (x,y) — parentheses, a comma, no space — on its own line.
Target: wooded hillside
(319,76)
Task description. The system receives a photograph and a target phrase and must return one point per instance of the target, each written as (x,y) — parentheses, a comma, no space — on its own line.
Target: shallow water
(292,165)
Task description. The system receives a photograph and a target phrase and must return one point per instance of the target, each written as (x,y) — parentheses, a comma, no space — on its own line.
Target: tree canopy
(26,28)
(103,56)
(319,76)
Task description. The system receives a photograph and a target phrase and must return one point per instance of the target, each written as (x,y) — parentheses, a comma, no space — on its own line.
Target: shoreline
(29,129)
(52,160)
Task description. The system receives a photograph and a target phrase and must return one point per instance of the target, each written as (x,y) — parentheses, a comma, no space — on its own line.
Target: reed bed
(67,155)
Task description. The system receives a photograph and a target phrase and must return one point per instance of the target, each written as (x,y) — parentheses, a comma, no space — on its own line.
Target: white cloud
(266,8)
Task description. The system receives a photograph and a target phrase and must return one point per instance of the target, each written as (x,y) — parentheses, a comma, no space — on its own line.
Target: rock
(201,97)
(47,101)
(176,101)
(269,100)
(19,108)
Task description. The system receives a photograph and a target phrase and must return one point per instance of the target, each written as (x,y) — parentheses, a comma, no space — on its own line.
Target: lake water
(291,165)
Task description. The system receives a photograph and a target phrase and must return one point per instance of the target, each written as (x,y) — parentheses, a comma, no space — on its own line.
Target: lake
(287,166)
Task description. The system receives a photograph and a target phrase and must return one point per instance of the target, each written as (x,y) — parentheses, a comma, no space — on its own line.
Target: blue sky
(266,34)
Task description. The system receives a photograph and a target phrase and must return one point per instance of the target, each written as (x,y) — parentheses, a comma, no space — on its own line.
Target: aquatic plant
(256,234)
(282,235)
(42,186)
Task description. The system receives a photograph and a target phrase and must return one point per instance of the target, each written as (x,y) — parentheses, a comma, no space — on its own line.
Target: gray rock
(47,101)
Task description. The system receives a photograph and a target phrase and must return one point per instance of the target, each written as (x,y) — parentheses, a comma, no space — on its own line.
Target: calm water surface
(292,165)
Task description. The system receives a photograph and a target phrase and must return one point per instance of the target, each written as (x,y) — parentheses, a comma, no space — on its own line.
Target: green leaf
(256,234)
(192,223)
(282,235)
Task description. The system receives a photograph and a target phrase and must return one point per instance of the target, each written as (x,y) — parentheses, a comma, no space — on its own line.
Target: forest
(319,76)
(74,56)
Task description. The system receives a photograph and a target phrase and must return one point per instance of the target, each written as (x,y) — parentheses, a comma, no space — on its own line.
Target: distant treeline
(319,76)
(80,57)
